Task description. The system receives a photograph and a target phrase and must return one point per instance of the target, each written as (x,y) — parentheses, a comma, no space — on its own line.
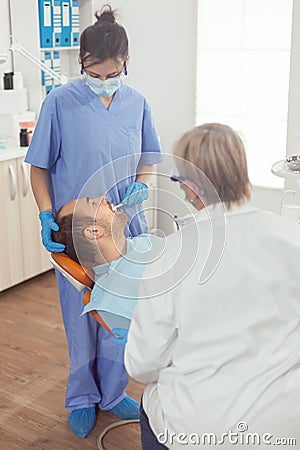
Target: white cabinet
(22,255)
(35,256)
(11,267)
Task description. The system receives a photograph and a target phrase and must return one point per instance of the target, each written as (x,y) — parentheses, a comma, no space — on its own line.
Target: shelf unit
(59,49)
(31,41)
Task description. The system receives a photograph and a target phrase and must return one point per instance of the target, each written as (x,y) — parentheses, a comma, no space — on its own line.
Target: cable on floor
(111,427)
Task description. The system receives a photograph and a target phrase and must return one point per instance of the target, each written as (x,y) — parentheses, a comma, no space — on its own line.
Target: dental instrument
(116,207)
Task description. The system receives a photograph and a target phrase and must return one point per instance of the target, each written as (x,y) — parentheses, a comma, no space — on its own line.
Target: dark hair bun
(106,14)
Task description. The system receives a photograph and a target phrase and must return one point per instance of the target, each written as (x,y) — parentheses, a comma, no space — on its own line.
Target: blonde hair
(218,151)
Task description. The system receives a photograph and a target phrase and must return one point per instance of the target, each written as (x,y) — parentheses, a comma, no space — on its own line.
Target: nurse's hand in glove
(136,192)
(121,336)
(48,224)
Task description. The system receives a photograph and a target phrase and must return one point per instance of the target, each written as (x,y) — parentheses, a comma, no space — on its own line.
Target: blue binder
(48,89)
(57,26)
(66,23)
(46,58)
(45,22)
(56,66)
(74,23)
(47,81)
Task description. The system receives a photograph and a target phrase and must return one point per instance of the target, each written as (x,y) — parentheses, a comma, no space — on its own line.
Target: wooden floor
(33,376)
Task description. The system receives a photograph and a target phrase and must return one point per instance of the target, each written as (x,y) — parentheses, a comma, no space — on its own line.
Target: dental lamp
(17,48)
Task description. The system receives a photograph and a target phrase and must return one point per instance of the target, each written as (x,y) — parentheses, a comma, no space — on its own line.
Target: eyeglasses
(183,180)
(94,75)
(180,179)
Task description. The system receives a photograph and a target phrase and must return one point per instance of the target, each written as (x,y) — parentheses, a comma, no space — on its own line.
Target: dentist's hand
(48,224)
(136,192)
(121,336)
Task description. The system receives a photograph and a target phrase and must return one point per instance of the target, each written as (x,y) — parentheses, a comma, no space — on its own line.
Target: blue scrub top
(77,138)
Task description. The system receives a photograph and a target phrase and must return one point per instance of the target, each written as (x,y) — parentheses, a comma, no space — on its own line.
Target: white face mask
(104,88)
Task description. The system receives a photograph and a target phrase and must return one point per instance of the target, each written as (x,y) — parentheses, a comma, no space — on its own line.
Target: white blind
(243,62)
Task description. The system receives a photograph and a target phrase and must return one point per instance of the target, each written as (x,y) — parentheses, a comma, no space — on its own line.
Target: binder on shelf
(66,23)
(49,85)
(45,22)
(74,23)
(56,65)
(57,25)
(46,58)
(47,81)
(47,89)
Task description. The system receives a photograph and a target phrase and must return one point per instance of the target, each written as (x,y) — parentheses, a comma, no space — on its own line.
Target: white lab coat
(226,351)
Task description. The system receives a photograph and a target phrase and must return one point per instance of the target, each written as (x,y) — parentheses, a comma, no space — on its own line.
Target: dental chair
(81,279)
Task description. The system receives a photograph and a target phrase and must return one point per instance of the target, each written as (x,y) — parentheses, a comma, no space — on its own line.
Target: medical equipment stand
(292,210)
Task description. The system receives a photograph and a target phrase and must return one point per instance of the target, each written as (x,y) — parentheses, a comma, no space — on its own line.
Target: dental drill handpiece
(116,207)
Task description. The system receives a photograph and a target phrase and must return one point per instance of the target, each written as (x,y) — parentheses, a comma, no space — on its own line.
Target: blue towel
(117,283)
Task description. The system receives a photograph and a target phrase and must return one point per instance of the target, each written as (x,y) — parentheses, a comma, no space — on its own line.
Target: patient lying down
(93,234)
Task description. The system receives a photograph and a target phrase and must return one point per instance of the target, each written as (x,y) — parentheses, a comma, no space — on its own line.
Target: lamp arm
(16,47)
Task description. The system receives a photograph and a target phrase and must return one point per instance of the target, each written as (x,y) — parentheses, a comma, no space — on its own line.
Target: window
(243,76)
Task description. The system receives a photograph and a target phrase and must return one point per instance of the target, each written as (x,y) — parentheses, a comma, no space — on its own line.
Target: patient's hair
(71,229)
(218,151)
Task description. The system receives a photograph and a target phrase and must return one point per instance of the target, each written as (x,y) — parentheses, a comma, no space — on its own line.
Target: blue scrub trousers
(97,373)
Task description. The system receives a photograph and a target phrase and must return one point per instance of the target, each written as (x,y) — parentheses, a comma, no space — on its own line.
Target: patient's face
(98,208)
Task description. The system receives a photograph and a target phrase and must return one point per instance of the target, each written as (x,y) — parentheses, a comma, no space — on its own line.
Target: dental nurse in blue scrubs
(83,126)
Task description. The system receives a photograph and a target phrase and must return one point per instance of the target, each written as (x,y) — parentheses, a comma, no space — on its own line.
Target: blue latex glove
(136,192)
(121,338)
(48,224)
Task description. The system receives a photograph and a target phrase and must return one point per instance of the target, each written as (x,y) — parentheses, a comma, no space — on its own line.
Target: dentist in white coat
(221,359)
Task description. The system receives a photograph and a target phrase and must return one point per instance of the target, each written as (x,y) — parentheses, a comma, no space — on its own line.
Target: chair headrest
(74,272)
